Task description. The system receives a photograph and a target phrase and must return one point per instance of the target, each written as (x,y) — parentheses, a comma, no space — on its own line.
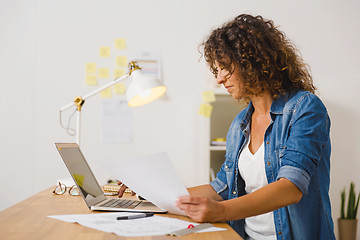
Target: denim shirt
(297,147)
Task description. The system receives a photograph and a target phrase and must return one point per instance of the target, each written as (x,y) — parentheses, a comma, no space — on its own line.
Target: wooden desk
(28,220)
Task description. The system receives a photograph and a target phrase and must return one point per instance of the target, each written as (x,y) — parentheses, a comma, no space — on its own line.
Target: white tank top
(252,170)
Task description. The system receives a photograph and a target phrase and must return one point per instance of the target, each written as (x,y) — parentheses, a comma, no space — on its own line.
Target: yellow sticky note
(120,43)
(104,51)
(106,93)
(79,179)
(119,88)
(208,96)
(90,68)
(118,73)
(205,110)
(91,80)
(121,61)
(103,73)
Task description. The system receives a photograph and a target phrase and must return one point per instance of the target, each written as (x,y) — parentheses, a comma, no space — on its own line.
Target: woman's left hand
(201,209)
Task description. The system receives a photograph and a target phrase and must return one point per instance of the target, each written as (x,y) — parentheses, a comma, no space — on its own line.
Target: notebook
(90,189)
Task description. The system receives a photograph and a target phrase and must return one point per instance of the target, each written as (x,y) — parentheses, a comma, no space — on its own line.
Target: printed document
(152,177)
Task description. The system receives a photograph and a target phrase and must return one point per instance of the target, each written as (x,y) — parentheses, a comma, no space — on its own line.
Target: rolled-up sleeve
(308,134)
(297,176)
(219,184)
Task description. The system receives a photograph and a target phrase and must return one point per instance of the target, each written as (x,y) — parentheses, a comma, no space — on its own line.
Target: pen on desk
(135,216)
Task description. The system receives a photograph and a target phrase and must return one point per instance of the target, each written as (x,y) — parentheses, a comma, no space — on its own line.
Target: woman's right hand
(122,189)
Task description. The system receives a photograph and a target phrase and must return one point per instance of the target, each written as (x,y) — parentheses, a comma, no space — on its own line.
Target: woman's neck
(262,104)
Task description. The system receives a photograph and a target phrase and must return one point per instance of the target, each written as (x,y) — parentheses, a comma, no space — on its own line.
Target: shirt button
(267,142)
(279,233)
(234,192)
(268,163)
(226,167)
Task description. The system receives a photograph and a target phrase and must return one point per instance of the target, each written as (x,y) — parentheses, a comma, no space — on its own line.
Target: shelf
(225,109)
(217,148)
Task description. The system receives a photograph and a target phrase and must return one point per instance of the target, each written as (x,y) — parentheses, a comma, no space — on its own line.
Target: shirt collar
(246,119)
(278,104)
(277,108)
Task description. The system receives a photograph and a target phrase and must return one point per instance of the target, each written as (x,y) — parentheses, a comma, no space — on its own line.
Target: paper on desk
(152,177)
(149,226)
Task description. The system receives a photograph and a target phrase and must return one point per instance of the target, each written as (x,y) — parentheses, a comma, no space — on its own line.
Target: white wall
(45,44)
(17,105)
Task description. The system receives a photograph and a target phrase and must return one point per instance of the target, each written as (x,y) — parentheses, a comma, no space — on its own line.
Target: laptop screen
(80,172)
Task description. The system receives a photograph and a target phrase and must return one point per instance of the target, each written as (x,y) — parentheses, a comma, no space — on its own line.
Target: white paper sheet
(149,61)
(152,177)
(149,226)
(116,121)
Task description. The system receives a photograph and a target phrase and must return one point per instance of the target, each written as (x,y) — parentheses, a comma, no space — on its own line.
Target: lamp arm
(79,101)
(89,95)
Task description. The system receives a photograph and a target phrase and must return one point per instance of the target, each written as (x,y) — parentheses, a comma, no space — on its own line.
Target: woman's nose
(220,78)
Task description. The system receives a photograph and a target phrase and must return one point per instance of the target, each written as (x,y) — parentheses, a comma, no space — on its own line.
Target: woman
(275,180)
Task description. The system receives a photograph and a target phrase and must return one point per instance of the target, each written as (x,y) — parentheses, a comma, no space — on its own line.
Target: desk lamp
(142,90)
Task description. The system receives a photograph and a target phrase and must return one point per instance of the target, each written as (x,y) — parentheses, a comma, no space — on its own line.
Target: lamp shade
(143,89)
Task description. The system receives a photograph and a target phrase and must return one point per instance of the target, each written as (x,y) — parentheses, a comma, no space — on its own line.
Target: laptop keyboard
(121,203)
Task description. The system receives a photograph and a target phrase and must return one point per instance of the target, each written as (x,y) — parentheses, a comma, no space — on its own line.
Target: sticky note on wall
(208,96)
(90,68)
(103,73)
(205,110)
(106,93)
(121,61)
(118,73)
(119,88)
(104,52)
(120,43)
(91,80)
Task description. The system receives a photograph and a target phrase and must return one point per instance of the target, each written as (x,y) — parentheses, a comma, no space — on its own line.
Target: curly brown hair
(266,58)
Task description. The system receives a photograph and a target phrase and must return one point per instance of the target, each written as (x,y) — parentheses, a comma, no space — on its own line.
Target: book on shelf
(218,142)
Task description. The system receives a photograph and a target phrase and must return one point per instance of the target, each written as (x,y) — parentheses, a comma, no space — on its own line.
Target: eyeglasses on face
(61,189)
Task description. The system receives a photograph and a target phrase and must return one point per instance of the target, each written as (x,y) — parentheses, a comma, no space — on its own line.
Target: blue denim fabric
(297,147)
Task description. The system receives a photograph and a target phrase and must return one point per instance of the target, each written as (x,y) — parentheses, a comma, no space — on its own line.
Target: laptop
(90,189)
